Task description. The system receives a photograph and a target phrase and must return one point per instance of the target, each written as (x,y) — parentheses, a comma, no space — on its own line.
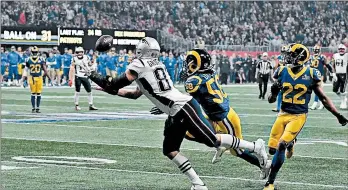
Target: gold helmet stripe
(294,47)
(198,58)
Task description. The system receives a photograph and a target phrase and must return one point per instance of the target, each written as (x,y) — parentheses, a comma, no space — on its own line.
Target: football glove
(275,88)
(342,120)
(334,77)
(156,111)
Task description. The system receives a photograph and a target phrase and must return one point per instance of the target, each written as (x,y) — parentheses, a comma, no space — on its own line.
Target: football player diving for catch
(202,83)
(318,61)
(183,111)
(296,82)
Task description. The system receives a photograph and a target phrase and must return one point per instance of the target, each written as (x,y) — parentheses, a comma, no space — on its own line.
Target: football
(104,43)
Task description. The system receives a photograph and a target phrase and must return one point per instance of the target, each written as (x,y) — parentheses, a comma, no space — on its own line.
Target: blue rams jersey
(14,58)
(67,59)
(122,61)
(296,88)
(317,62)
(281,60)
(35,66)
(205,88)
(101,60)
(170,63)
(4,60)
(59,59)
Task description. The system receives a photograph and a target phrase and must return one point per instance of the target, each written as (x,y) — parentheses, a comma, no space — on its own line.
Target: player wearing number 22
(34,66)
(296,83)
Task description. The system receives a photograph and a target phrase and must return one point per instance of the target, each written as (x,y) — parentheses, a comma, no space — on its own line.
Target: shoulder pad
(192,84)
(136,65)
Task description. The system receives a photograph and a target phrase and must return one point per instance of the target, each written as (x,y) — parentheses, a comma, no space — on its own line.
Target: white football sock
(185,167)
(76,98)
(229,141)
(90,98)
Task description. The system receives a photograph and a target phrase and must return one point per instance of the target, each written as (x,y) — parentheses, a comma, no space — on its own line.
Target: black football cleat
(38,111)
(91,108)
(33,110)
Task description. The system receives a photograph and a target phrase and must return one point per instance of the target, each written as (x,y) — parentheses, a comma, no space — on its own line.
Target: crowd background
(249,23)
(216,26)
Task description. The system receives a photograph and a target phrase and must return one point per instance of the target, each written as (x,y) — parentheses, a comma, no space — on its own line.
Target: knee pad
(272,151)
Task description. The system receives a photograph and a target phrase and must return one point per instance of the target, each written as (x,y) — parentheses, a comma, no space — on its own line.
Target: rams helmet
(342,49)
(197,60)
(34,51)
(317,50)
(297,55)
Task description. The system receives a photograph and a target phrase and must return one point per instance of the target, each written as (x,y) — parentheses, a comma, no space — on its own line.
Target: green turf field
(119,146)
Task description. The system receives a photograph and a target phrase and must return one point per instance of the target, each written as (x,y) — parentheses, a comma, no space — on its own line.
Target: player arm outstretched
(130,93)
(113,85)
(328,104)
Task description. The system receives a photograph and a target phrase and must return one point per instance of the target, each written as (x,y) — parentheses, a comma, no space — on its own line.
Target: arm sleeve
(192,84)
(315,74)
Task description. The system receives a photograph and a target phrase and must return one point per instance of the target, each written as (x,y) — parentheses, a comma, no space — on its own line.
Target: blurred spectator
(212,22)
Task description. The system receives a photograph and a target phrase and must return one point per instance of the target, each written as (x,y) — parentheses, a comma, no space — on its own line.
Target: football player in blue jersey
(318,61)
(4,64)
(110,62)
(281,62)
(203,85)
(296,82)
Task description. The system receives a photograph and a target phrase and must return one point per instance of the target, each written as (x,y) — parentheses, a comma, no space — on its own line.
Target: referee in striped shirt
(263,71)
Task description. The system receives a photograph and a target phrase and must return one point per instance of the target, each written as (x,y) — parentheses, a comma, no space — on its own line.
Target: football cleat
(290,150)
(265,171)
(199,187)
(314,106)
(261,153)
(268,186)
(77,108)
(33,110)
(91,107)
(275,110)
(38,110)
(321,106)
(343,105)
(218,153)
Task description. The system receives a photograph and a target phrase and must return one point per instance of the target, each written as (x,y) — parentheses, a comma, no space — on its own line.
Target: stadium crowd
(214,23)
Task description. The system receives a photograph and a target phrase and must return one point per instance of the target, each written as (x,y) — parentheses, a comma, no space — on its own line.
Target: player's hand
(334,77)
(342,120)
(70,83)
(156,111)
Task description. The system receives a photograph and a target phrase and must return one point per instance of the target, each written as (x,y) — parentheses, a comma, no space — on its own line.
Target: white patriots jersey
(154,82)
(77,63)
(341,63)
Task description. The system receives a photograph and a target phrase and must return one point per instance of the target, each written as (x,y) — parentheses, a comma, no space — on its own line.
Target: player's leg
(202,129)
(174,132)
(87,85)
(294,124)
(16,75)
(38,84)
(342,88)
(10,75)
(33,92)
(77,93)
(58,76)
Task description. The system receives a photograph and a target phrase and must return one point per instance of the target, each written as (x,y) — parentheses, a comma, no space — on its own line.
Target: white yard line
(207,177)
(143,146)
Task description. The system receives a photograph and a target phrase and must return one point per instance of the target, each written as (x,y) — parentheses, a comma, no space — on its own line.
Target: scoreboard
(69,37)
(29,36)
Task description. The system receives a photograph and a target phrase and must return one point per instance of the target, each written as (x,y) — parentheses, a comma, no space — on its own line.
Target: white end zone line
(154,147)
(172,174)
